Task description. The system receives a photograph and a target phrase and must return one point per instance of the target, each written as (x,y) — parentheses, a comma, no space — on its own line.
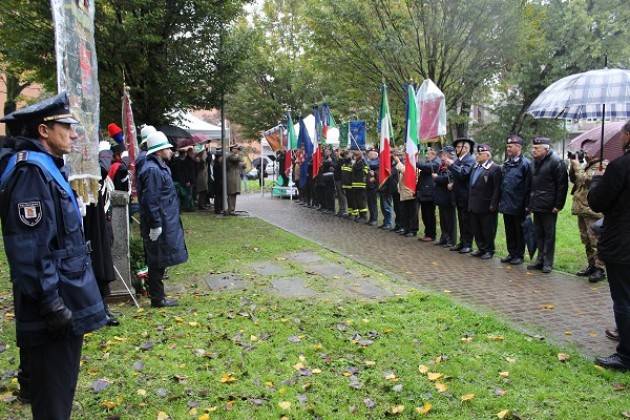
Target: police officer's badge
(30,213)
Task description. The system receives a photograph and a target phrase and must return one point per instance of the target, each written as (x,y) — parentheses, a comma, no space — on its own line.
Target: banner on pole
(131,144)
(431,106)
(77,74)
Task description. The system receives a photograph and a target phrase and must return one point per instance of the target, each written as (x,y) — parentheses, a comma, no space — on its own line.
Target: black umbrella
(177,136)
(256,162)
(529,234)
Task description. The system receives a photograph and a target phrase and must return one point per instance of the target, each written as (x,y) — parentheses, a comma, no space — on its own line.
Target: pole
(225,155)
(564,138)
(260,172)
(601,146)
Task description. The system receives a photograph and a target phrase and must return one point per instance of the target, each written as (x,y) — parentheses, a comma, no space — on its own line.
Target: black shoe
(477,253)
(457,247)
(516,261)
(112,321)
(546,269)
(487,256)
(164,303)
(612,334)
(536,266)
(373,223)
(24,397)
(597,275)
(448,246)
(400,231)
(465,250)
(613,361)
(410,234)
(586,271)
(507,260)
(440,243)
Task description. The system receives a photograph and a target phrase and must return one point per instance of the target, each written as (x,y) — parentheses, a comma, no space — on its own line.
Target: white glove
(155,233)
(82,206)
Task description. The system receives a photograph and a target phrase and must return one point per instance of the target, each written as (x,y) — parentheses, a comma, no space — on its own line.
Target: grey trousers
(341,198)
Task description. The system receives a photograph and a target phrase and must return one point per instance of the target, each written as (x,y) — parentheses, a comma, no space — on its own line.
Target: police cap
(55,109)
(541,140)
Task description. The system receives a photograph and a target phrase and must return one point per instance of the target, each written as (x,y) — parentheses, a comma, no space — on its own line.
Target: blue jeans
(387,208)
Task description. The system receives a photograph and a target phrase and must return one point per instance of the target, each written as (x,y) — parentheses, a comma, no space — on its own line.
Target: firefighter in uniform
(359,174)
(346,182)
(55,294)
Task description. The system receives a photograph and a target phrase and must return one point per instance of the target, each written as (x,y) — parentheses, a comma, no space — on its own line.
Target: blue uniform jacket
(460,171)
(159,207)
(46,249)
(424,189)
(517,178)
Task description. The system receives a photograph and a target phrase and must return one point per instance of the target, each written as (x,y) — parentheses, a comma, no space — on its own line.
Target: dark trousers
(351,206)
(484,227)
(341,198)
(448,225)
(156,285)
(465,231)
(397,211)
(328,198)
(360,202)
(427,210)
(387,208)
(619,283)
(409,213)
(372,204)
(514,235)
(320,194)
(545,225)
(54,371)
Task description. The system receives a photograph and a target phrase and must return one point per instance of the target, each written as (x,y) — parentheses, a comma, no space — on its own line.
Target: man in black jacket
(550,183)
(424,193)
(515,186)
(610,195)
(460,173)
(483,201)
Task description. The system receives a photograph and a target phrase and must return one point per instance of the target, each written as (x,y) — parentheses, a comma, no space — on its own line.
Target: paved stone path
(566,308)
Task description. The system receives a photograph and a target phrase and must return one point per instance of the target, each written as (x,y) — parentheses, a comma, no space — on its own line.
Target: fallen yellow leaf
(467,397)
(548,306)
(503,414)
(284,405)
(563,357)
(423,369)
(441,387)
(397,409)
(204,417)
(109,405)
(370,363)
(253,338)
(193,323)
(316,371)
(227,378)
(317,346)
(466,339)
(161,415)
(496,337)
(193,411)
(142,392)
(269,384)
(391,377)
(298,366)
(434,376)
(504,374)
(426,407)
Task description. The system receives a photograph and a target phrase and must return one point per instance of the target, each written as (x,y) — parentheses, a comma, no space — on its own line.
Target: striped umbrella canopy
(589,95)
(594,95)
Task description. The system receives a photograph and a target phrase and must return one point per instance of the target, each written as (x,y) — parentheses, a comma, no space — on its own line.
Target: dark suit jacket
(484,194)
(460,172)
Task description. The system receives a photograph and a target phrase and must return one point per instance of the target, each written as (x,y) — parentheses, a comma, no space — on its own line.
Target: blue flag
(305,139)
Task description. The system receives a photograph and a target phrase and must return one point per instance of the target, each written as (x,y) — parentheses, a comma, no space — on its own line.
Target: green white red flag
(411,142)
(386,137)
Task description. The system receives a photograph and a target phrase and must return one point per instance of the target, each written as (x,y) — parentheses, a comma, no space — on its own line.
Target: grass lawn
(251,354)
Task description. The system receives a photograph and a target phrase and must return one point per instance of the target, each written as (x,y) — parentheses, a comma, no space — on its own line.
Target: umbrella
(613,144)
(178,137)
(529,234)
(596,94)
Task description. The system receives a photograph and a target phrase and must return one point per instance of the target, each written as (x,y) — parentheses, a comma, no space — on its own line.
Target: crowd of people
(462,188)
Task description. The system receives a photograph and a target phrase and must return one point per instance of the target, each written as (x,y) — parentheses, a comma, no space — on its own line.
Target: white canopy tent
(198,127)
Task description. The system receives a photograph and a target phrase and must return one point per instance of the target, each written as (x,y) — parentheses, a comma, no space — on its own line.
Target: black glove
(58,319)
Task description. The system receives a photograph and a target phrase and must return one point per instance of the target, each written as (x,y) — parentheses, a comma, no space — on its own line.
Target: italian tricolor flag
(386,136)
(411,142)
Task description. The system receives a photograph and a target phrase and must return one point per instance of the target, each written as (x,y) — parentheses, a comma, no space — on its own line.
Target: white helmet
(157,141)
(145,132)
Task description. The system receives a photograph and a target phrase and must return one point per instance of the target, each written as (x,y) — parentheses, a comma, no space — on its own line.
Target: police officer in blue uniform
(55,294)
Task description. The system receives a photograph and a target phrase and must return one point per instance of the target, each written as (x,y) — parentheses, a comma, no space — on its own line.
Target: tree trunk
(461,127)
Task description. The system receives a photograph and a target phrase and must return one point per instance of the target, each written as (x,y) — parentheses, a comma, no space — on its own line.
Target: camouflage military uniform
(581,177)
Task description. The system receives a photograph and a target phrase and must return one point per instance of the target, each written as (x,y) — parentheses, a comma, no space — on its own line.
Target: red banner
(131,144)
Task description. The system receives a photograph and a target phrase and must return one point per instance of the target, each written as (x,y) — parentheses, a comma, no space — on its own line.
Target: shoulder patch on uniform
(30,212)
(21,156)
